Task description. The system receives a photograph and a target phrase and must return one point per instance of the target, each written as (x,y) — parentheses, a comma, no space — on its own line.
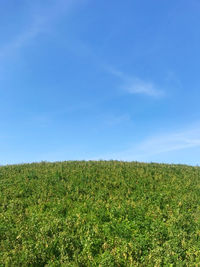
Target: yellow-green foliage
(99,214)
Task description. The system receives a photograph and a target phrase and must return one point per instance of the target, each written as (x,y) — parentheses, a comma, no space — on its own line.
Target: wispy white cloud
(40,120)
(170,142)
(135,85)
(160,145)
(115,120)
(138,86)
(22,38)
(40,21)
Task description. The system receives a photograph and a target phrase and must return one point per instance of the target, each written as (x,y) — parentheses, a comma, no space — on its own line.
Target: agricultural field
(99,213)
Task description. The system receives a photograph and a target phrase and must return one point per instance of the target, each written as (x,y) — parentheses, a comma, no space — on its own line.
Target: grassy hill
(104,213)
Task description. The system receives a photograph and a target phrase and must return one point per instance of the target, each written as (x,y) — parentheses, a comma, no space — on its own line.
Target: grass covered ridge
(104,213)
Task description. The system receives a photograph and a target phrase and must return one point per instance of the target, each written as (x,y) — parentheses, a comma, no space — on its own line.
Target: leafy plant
(105,213)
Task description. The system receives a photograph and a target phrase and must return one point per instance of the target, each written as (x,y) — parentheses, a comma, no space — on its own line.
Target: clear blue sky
(83,79)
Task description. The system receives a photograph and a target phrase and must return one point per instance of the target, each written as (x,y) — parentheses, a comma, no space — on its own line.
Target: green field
(103,213)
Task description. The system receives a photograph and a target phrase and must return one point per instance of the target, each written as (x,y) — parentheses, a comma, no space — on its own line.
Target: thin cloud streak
(134,85)
(40,23)
(117,120)
(137,86)
(22,39)
(159,145)
(171,142)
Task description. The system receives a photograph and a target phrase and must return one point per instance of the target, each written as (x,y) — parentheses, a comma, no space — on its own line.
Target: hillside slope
(104,213)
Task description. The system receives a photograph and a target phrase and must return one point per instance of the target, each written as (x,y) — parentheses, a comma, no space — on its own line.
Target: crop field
(99,213)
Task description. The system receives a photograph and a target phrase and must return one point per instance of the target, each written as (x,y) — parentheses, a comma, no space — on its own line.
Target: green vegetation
(99,214)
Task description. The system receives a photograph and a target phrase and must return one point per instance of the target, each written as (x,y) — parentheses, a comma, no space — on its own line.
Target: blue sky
(82,79)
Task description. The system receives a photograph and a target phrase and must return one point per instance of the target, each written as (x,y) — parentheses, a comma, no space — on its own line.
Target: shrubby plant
(105,213)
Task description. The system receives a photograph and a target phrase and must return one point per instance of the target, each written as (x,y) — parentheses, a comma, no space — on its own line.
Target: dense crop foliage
(99,214)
